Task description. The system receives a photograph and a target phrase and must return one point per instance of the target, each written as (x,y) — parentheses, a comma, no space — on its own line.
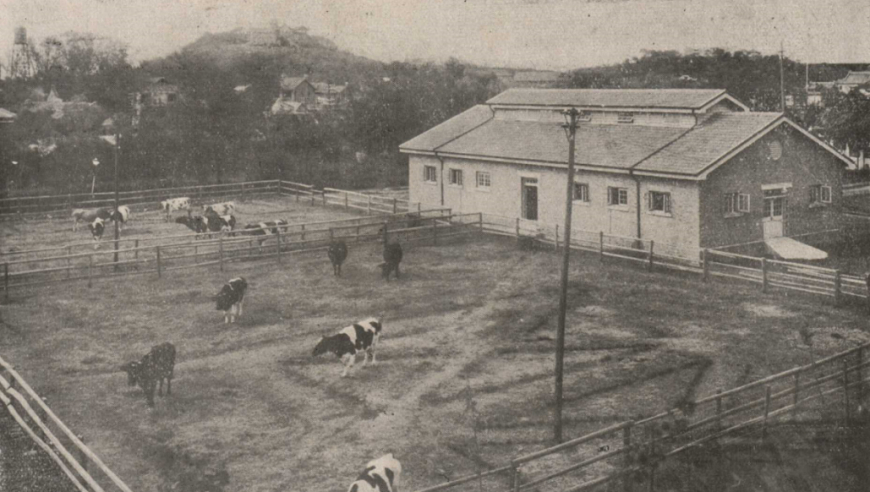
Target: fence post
(331,234)
(434,231)
(357,232)
(90,269)
(796,397)
(651,245)
(395,206)
(278,237)
(369,205)
(196,253)
(860,375)
(303,233)
(518,227)
(83,458)
(480,221)
(837,288)
(68,261)
(600,245)
(763,275)
(846,391)
(706,260)
(718,409)
(6,282)
(515,477)
(220,252)
(557,237)
(626,444)
(159,270)
(324,198)
(766,410)
(346,204)
(298,194)
(136,253)
(419,207)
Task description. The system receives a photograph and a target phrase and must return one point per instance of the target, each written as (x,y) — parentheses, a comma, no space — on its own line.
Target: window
(455,177)
(775,149)
(736,203)
(581,192)
(660,202)
(483,180)
(430,174)
(625,117)
(617,196)
(820,194)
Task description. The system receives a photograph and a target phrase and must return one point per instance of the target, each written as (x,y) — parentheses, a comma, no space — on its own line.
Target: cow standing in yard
(220,223)
(380,475)
(153,368)
(225,208)
(392,257)
(264,229)
(358,337)
(173,204)
(337,253)
(122,216)
(89,215)
(97,227)
(231,297)
(195,223)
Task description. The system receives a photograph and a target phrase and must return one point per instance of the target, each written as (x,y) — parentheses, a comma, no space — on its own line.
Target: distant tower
(21,64)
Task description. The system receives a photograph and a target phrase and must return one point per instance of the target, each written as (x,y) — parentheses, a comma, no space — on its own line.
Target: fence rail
(34,416)
(639,447)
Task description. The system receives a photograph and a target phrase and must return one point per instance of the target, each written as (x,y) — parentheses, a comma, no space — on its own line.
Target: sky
(542,34)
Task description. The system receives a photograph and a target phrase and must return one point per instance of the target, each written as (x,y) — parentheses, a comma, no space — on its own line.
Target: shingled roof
(616,98)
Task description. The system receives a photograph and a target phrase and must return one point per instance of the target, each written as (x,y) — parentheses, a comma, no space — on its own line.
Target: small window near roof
(660,202)
(820,194)
(625,118)
(430,174)
(581,192)
(483,180)
(456,177)
(775,148)
(617,196)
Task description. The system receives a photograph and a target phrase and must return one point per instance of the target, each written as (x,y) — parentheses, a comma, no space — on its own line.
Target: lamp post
(570,131)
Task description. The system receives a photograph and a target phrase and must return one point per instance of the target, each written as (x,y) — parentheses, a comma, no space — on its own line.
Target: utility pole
(781,80)
(571,131)
(117,231)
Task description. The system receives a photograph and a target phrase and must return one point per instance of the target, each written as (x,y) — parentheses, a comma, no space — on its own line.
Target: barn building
(686,168)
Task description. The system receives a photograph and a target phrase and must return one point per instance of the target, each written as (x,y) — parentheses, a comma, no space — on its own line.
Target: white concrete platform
(790,249)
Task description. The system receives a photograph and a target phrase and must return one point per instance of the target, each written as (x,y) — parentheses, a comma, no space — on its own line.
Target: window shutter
(648,199)
(668,203)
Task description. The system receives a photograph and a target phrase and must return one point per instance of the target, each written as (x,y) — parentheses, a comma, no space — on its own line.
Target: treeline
(214,133)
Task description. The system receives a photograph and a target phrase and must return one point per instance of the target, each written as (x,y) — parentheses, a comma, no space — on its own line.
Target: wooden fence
(184,251)
(48,432)
(51,203)
(633,450)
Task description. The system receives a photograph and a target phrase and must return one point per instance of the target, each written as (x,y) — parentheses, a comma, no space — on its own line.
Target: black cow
(362,336)
(380,475)
(231,297)
(392,258)
(337,253)
(155,366)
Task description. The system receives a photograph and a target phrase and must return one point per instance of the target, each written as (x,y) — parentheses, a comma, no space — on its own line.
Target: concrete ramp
(789,249)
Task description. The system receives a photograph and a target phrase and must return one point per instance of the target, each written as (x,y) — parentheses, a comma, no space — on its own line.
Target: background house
(298,89)
(159,92)
(330,95)
(687,168)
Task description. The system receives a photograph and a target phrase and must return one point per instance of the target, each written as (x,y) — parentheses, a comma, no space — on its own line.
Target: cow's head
(322,347)
(132,370)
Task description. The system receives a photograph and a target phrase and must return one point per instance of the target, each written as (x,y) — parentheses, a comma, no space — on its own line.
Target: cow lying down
(358,337)
(380,475)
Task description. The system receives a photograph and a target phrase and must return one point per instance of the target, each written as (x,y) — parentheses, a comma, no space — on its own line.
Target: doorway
(773,223)
(530,198)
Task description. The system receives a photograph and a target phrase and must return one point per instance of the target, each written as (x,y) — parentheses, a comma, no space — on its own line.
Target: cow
(225,208)
(380,475)
(362,336)
(97,227)
(220,223)
(264,229)
(231,297)
(195,223)
(173,204)
(337,253)
(122,215)
(89,215)
(392,258)
(154,367)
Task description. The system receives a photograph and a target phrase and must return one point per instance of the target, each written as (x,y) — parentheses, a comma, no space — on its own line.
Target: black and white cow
(173,204)
(225,208)
(231,297)
(392,257)
(358,337)
(122,216)
(88,215)
(153,368)
(264,229)
(380,475)
(195,223)
(337,253)
(97,227)
(219,223)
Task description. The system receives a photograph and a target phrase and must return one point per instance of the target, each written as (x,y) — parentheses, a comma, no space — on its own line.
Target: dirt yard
(464,373)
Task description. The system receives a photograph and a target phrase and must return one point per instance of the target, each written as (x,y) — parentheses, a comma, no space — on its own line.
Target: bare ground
(464,373)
